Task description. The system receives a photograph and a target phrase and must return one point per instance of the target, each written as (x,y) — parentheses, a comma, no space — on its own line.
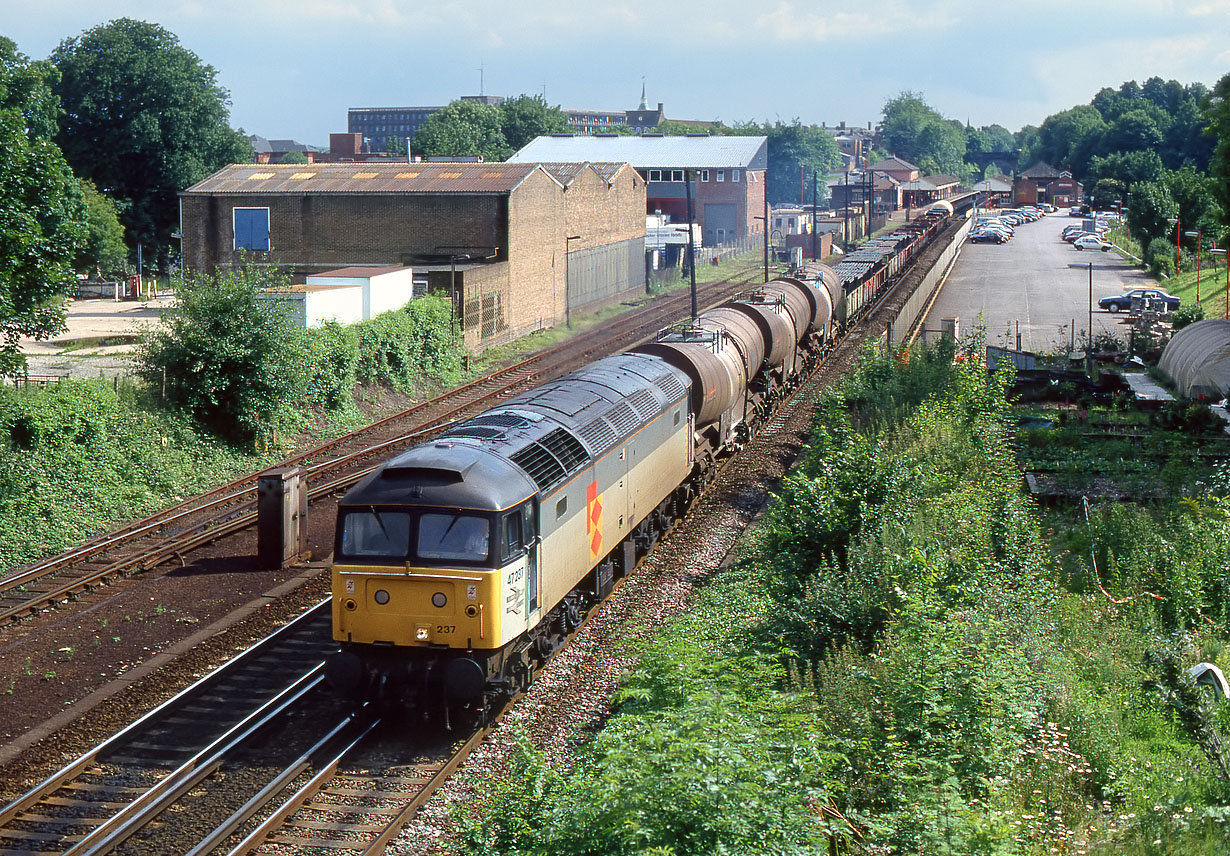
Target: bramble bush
(238,365)
(227,358)
(77,456)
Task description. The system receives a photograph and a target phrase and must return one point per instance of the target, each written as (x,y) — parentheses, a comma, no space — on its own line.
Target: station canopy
(1197,360)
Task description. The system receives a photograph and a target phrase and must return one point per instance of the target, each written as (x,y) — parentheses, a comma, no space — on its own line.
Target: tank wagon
(462,563)
(466,561)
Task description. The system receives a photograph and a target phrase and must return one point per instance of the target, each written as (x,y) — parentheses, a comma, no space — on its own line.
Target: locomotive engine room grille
(599,434)
(624,418)
(646,405)
(671,386)
(552,459)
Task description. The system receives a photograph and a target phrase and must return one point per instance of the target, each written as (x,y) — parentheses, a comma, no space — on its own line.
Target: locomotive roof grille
(623,418)
(645,404)
(506,420)
(671,386)
(550,460)
(599,434)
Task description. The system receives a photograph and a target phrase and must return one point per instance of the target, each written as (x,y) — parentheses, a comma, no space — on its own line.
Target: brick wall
(309,233)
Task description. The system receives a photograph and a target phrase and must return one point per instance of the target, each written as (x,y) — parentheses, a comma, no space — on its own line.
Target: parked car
(987,236)
(1092,242)
(1124,301)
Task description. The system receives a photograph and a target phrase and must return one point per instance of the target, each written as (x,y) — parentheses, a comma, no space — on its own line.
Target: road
(1027,284)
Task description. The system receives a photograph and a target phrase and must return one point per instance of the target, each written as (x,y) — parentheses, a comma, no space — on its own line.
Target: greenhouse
(1197,360)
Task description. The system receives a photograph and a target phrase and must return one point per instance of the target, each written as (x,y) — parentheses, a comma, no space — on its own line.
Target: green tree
(104,251)
(1196,195)
(942,148)
(1219,128)
(797,150)
(1134,131)
(1064,138)
(227,357)
(42,213)
(464,129)
(144,118)
(906,116)
(528,116)
(1149,209)
(1126,168)
(295,157)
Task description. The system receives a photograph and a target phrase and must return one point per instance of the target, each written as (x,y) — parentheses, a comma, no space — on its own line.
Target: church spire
(644,100)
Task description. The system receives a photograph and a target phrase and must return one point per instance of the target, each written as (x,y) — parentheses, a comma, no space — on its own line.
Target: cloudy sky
(293,67)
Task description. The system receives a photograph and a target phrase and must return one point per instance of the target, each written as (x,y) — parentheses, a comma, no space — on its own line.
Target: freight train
(463,563)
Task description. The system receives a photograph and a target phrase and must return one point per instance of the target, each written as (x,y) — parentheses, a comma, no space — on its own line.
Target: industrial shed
(517,247)
(1197,360)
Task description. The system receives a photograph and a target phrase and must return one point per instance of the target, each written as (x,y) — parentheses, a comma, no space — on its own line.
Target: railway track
(330,467)
(333,786)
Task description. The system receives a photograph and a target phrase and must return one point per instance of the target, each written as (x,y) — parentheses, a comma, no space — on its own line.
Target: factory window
(251,227)
(704,175)
(677,175)
(655,175)
(734,175)
(455,537)
(721,175)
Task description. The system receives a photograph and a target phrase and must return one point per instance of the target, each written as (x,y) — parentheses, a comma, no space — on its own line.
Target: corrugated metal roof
(566,173)
(643,152)
(365,178)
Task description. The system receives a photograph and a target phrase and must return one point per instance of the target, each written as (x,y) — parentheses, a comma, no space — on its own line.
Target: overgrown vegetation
(907,660)
(77,455)
(231,358)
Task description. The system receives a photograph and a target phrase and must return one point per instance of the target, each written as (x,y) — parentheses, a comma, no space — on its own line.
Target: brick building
(727,173)
(520,246)
(1043,183)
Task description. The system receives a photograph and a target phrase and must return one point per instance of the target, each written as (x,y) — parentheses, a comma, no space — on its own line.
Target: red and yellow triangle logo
(593,520)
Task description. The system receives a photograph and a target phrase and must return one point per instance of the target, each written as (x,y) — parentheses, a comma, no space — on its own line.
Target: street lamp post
(1089,335)
(1227,255)
(1178,239)
(1197,235)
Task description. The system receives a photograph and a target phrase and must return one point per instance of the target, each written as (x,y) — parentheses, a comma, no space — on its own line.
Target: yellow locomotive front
(435,573)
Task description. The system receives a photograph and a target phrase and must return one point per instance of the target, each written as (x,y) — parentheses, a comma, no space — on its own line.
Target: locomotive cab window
(376,536)
(455,537)
(514,539)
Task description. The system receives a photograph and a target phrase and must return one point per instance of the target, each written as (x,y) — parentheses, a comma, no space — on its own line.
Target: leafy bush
(736,767)
(332,357)
(1188,313)
(227,358)
(1160,257)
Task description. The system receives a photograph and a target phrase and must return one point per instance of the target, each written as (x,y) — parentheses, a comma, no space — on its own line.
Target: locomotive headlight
(422,633)
(381,597)
(438,599)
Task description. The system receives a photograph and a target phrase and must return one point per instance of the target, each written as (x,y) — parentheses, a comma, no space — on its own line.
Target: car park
(1092,242)
(1125,300)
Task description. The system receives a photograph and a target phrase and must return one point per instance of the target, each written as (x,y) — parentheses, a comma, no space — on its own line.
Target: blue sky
(294,66)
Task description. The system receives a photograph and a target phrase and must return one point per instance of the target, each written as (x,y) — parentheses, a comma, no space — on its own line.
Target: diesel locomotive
(461,564)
